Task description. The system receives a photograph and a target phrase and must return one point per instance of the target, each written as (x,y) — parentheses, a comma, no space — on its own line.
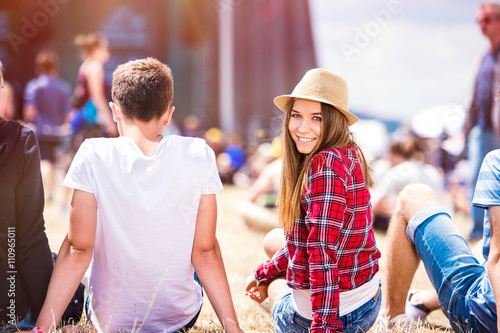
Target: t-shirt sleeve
(487,191)
(211,181)
(80,173)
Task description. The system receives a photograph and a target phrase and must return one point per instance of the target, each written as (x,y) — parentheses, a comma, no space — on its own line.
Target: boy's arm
(494,255)
(72,262)
(208,264)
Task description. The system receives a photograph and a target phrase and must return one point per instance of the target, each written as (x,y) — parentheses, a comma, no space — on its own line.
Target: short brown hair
(143,88)
(46,62)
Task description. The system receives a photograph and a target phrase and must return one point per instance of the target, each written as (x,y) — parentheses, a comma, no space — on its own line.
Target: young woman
(93,112)
(329,256)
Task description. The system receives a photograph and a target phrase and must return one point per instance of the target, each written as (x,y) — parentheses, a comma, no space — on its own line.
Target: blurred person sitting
(258,210)
(266,153)
(407,167)
(25,257)
(267,184)
(93,117)
(47,105)
(261,214)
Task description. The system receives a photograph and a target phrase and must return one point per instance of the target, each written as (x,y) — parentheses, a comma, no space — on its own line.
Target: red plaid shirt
(331,247)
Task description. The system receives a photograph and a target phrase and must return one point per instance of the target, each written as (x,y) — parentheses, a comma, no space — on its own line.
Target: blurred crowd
(419,151)
(62,117)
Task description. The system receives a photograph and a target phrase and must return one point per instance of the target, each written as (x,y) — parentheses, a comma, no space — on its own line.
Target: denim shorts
(464,290)
(287,320)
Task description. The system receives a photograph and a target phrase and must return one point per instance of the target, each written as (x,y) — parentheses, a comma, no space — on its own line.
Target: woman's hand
(257,293)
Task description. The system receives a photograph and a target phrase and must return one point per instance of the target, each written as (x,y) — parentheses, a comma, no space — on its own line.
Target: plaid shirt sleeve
(271,269)
(324,205)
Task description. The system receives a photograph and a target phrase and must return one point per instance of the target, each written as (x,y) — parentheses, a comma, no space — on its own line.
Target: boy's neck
(146,136)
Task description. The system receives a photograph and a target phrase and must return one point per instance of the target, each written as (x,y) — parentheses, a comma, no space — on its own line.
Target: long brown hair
(335,133)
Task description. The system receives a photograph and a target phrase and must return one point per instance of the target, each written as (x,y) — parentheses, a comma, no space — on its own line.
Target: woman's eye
(296,115)
(317,118)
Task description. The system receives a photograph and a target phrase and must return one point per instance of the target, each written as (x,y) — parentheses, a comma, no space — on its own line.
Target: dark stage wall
(273,47)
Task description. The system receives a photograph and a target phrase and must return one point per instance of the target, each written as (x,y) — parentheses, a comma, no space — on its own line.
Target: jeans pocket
(302,324)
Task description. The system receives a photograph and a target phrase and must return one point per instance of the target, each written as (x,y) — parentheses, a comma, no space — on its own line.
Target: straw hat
(324,86)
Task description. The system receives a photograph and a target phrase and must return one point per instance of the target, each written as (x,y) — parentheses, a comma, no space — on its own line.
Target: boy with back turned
(144,211)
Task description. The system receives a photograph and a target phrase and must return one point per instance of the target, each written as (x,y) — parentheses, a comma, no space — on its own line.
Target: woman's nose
(304,125)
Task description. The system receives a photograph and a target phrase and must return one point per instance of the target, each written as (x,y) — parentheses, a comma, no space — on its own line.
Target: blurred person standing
(482,124)
(47,104)
(93,116)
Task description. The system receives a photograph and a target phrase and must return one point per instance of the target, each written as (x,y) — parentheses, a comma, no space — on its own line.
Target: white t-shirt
(408,172)
(146,218)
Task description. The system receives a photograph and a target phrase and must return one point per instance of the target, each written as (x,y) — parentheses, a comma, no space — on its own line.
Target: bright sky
(400,56)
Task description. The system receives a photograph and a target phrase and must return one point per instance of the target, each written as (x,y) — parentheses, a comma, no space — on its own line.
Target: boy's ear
(115,109)
(167,117)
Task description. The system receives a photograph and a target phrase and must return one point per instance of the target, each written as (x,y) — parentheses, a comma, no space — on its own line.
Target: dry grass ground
(242,250)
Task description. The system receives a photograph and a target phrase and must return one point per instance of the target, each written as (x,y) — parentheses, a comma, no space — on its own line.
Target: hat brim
(282,101)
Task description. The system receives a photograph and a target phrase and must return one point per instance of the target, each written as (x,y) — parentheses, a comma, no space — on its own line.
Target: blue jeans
(480,143)
(464,290)
(286,319)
